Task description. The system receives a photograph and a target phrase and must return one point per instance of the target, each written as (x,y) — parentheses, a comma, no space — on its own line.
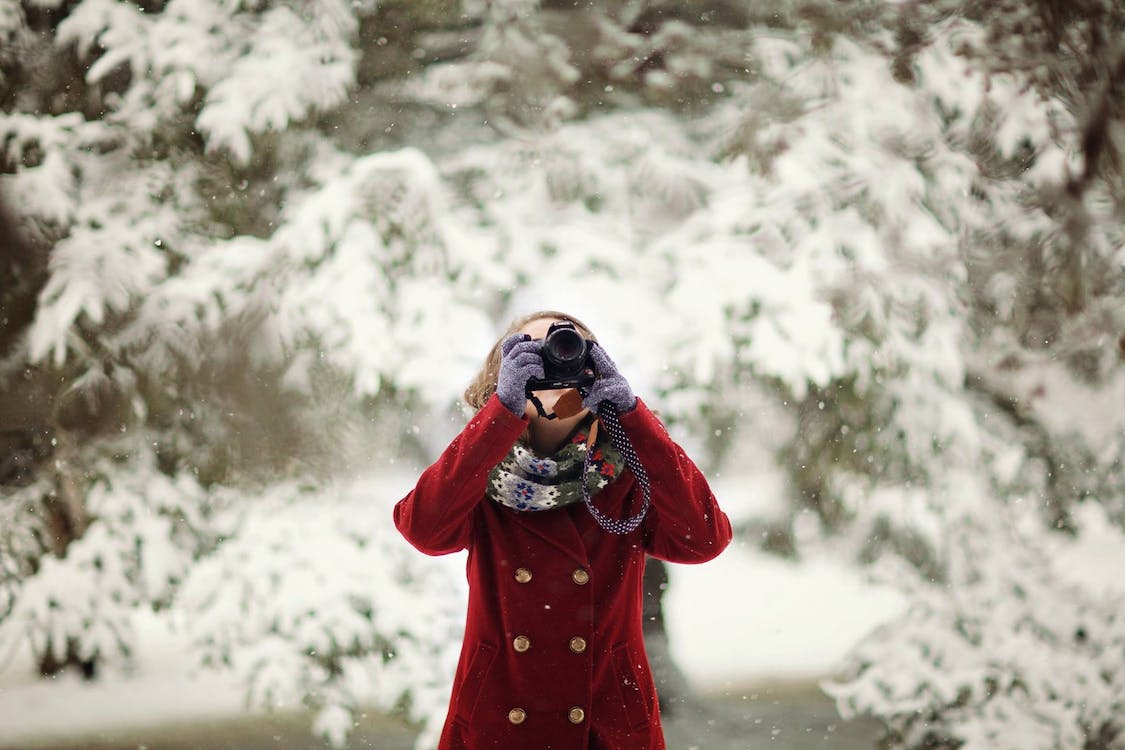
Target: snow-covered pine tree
(1011,651)
(1007,651)
(253,221)
(221,300)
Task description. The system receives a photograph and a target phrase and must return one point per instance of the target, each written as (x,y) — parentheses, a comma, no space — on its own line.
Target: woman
(553,655)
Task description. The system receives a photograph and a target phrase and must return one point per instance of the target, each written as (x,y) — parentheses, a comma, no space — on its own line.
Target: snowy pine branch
(149,529)
(288,70)
(315,602)
(1005,655)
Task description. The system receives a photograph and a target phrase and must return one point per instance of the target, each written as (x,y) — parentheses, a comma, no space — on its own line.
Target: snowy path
(782,718)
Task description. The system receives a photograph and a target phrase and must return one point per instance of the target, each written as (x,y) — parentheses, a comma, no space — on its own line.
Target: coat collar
(572,529)
(557,528)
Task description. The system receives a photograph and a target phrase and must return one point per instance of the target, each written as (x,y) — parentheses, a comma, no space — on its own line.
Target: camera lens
(565,345)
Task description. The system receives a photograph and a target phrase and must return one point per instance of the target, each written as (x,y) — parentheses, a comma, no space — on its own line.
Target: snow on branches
(1007,655)
(292,66)
(255,71)
(317,602)
(149,530)
(233,251)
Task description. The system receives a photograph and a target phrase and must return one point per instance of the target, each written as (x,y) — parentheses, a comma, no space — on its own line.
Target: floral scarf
(525,481)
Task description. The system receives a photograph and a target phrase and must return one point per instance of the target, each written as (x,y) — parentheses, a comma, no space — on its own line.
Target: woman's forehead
(537,328)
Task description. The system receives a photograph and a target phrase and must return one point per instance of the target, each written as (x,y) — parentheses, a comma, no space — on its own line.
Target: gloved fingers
(520,361)
(602,362)
(597,390)
(509,343)
(524,349)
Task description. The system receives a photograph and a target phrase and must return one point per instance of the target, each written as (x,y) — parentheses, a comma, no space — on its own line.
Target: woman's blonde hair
(484,384)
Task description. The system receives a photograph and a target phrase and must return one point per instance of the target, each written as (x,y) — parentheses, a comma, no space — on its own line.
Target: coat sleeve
(436,516)
(684,523)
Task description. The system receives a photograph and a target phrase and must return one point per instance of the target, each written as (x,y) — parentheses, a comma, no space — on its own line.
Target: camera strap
(539,406)
(607,414)
(567,405)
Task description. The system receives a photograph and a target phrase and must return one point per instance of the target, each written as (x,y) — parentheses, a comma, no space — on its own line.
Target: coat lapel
(557,529)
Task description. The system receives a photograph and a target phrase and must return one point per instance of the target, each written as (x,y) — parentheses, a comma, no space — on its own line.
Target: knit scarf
(524,481)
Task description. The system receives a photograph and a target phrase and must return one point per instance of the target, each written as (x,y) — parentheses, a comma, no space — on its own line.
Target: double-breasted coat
(553,655)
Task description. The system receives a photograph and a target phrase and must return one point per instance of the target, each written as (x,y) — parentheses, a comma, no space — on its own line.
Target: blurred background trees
(875,246)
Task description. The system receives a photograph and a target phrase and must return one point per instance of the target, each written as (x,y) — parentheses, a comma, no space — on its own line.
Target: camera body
(566,360)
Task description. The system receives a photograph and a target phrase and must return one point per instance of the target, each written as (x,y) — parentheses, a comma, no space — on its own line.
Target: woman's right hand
(521,359)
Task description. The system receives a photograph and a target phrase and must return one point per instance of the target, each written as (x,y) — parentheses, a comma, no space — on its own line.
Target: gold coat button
(517,715)
(577,644)
(521,643)
(523,575)
(576,715)
(580,576)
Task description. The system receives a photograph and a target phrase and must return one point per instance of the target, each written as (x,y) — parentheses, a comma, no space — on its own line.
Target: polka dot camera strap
(607,414)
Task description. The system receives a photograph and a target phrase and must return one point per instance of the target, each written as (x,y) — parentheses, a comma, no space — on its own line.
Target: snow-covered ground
(165,688)
(748,617)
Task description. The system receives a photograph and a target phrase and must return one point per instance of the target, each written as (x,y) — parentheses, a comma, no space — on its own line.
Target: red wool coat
(553,656)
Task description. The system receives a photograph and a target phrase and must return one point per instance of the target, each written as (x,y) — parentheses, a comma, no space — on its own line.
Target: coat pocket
(625,674)
(468,693)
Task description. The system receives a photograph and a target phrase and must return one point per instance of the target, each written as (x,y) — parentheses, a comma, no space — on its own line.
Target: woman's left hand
(610,386)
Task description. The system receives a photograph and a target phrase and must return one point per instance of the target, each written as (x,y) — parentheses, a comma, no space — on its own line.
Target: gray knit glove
(610,386)
(521,359)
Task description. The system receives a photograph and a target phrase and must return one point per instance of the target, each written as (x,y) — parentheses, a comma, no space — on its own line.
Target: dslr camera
(566,360)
